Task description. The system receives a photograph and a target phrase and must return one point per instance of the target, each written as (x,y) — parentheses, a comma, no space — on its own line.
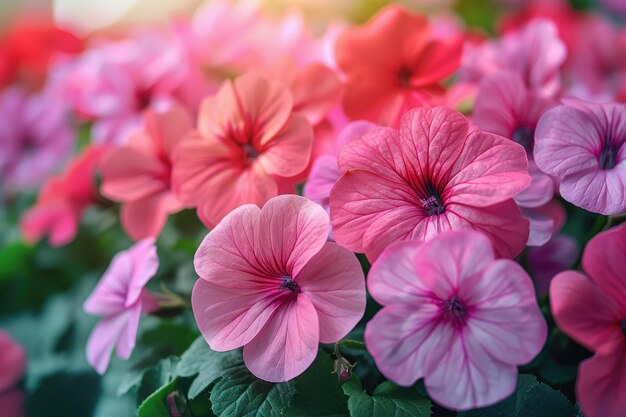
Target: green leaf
(387,400)
(156,384)
(531,399)
(318,392)
(14,260)
(156,404)
(207,364)
(241,394)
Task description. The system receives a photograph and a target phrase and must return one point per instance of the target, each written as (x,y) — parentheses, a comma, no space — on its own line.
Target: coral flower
(583,145)
(269,281)
(139,173)
(247,139)
(120,298)
(62,201)
(12,362)
(591,308)
(426,177)
(454,316)
(392,64)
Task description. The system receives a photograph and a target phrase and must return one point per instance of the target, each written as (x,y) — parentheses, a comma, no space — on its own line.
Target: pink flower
(583,145)
(534,52)
(271,283)
(36,138)
(591,308)
(248,139)
(454,316)
(505,106)
(12,403)
(428,176)
(12,362)
(139,173)
(62,201)
(120,298)
(394,63)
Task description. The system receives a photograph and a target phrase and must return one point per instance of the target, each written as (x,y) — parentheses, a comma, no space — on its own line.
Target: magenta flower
(455,316)
(591,308)
(583,146)
(270,282)
(120,298)
(428,176)
(12,362)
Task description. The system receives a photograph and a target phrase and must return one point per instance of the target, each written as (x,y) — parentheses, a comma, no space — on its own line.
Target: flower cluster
(410,190)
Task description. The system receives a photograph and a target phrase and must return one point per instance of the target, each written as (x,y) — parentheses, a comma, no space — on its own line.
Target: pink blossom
(12,362)
(12,403)
(591,308)
(62,201)
(583,146)
(120,299)
(534,52)
(505,106)
(36,138)
(546,261)
(428,176)
(270,282)
(248,138)
(455,316)
(139,173)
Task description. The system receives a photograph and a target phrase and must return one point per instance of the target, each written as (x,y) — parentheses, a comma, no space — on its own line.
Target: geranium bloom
(120,298)
(505,106)
(36,138)
(62,201)
(591,308)
(392,64)
(454,316)
(12,362)
(269,281)
(535,53)
(247,139)
(583,145)
(428,176)
(139,174)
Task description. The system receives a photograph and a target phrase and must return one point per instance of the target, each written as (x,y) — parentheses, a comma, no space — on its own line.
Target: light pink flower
(270,282)
(12,362)
(583,145)
(591,308)
(36,138)
(248,139)
(62,201)
(139,173)
(120,298)
(454,316)
(534,52)
(428,176)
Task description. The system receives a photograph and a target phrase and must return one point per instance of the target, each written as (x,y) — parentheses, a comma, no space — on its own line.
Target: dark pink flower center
(623,325)
(607,157)
(525,137)
(404,77)
(288,284)
(251,152)
(452,310)
(431,201)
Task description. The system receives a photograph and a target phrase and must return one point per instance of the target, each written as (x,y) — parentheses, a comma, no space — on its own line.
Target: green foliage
(205,365)
(387,400)
(239,393)
(531,399)
(65,394)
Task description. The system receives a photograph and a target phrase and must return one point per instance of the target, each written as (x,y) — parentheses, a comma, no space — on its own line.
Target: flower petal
(102,339)
(602,383)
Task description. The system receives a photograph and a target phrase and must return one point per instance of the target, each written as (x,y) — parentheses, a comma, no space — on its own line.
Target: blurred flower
(392,64)
(505,106)
(36,138)
(455,316)
(62,201)
(583,145)
(248,138)
(12,403)
(139,173)
(546,261)
(120,298)
(428,176)
(534,52)
(591,308)
(12,362)
(270,282)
